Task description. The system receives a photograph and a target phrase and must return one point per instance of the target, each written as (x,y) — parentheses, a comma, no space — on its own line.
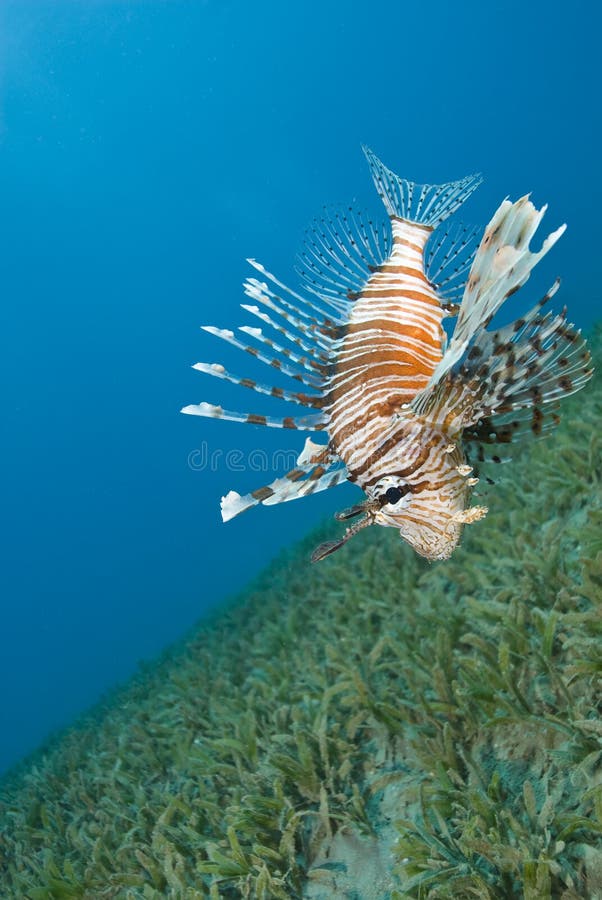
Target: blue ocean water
(148,148)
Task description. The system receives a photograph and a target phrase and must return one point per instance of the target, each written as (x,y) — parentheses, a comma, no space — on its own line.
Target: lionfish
(409,417)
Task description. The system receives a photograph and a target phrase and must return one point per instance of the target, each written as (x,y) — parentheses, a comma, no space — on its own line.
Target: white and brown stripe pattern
(390,350)
(366,353)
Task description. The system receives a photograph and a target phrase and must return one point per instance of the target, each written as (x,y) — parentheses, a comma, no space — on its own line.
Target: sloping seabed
(371,727)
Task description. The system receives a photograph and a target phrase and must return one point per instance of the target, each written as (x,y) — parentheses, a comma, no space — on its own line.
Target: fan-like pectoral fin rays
(508,383)
(501,266)
(531,362)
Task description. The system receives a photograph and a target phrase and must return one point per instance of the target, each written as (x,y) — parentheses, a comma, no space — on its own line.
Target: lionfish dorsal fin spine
(303,374)
(317,422)
(299,398)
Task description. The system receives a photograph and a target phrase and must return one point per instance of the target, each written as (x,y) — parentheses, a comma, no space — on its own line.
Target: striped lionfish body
(408,419)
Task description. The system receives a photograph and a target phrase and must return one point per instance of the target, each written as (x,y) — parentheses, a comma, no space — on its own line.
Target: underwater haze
(146,150)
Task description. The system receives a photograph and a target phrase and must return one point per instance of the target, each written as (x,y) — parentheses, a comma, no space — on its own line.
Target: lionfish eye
(394,494)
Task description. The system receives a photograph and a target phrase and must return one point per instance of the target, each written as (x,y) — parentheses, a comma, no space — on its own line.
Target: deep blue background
(146,149)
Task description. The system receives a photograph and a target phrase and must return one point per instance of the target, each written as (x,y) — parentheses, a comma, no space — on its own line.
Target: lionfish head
(429,516)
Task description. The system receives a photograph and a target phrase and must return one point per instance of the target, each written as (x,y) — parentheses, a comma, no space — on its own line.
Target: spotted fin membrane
(490,387)
(505,384)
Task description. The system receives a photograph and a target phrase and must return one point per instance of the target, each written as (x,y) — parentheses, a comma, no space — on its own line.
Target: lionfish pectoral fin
(508,383)
(425,204)
(448,404)
(502,264)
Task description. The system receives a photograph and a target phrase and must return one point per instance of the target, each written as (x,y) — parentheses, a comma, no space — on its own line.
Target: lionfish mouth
(428,542)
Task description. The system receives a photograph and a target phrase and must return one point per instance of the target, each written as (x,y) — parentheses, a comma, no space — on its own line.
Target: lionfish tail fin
(425,204)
